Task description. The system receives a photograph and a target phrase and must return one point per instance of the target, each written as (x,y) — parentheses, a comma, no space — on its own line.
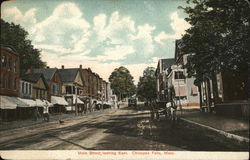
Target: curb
(226,134)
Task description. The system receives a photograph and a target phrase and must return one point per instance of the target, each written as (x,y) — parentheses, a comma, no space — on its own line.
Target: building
(225,93)
(189,89)
(161,80)
(9,82)
(54,81)
(72,88)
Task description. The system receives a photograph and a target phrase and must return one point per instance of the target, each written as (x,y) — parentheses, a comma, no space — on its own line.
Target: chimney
(62,66)
(81,66)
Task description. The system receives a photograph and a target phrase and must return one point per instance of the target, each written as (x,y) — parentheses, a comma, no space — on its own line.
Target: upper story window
(10,64)
(55,88)
(26,88)
(68,90)
(29,88)
(9,82)
(22,87)
(15,83)
(15,66)
(3,61)
(179,75)
(3,82)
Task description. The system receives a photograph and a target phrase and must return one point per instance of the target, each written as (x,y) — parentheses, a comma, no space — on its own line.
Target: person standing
(46,112)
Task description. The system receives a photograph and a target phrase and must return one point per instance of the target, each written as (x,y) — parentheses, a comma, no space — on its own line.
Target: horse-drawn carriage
(166,108)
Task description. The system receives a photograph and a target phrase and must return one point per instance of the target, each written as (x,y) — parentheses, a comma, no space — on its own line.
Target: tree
(219,37)
(146,87)
(121,82)
(16,36)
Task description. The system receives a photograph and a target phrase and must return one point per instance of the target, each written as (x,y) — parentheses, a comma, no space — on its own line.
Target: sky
(101,34)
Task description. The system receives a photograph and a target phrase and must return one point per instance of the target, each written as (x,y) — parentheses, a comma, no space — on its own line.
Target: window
(179,75)
(3,82)
(40,94)
(15,83)
(3,61)
(29,88)
(22,87)
(68,90)
(10,64)
(26,88)
(15,64)
(37,93)
(9,82)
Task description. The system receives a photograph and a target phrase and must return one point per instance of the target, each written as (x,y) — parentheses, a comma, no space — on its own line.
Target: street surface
(115,129)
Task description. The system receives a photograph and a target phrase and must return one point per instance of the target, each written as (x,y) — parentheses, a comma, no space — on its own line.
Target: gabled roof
(48,73)
(166,63)
(34,77)
(69,74)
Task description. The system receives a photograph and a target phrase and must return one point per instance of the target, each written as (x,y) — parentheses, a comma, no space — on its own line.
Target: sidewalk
(53,118)
(230,127)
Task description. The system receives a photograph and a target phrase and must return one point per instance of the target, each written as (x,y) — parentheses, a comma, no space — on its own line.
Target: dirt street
(115,129)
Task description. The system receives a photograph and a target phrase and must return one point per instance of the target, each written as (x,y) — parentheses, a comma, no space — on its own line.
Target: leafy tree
(121,82)
(219,37)
(16,36)
(146,87)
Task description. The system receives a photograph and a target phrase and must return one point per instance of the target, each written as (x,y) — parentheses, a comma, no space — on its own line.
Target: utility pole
(179,88)
(76,110)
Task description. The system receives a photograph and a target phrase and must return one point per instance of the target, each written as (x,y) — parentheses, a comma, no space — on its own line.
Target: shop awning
(180,91)
(78,101)
(40,103)
(26,102)
(58,100)
(6,102)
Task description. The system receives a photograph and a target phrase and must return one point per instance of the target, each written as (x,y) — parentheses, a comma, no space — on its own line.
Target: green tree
(16,36)
(122,83)
(146,87)
(219,37)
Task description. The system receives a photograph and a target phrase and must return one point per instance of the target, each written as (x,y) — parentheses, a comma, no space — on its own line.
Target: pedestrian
(35,114)
(46,112)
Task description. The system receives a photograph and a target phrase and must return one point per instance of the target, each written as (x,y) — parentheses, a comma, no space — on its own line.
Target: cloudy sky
(100,34)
